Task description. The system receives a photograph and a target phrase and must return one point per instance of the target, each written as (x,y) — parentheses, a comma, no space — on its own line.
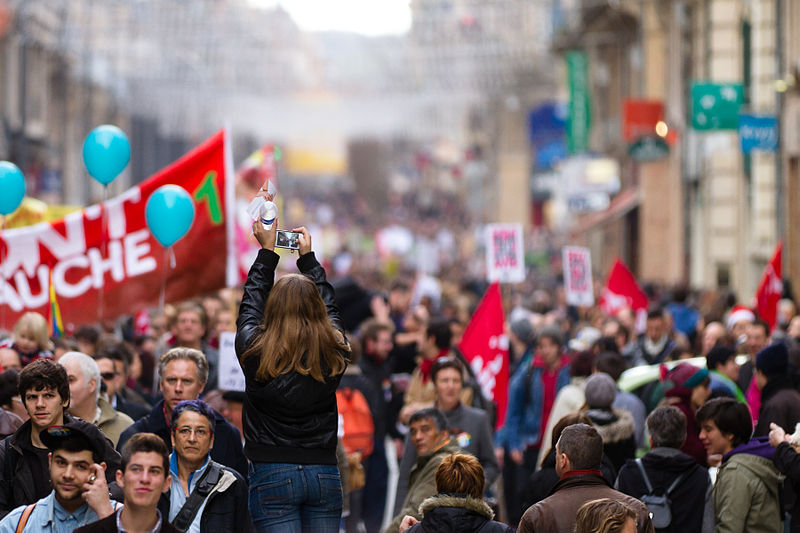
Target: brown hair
(297,335)
(603,516)
(578,417)
(460,473)
(145,442)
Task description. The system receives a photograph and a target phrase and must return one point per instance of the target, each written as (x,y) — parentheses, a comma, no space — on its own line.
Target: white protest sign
(505,261)
(230,373)
(577,264)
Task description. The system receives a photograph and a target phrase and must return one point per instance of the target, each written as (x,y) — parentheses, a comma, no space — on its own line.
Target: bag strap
(23,520)
(204,486)
(644,475)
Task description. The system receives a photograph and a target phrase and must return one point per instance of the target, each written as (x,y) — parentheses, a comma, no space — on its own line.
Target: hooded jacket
(747,490)
(291,418)
(457,513)
(663,467)
(422,483)
(615,427)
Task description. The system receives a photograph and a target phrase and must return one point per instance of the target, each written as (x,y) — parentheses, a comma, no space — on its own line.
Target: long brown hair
(297,335)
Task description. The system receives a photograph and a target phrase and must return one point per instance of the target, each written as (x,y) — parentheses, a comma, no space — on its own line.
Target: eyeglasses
(186,432)
(109,375)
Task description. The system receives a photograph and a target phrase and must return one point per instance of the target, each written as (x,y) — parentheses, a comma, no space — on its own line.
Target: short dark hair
(730,416)
(431,413)
(667,427)
(446,362)
(44,374)
(759,323)
(370,329)
(719,355)
(109,347)
(78,443)
(8,386)
(88,333)
(145,442)
(655,312)
(440,330)
(581,364)
(552,333)
(198,406)
(583,445)
(612,363)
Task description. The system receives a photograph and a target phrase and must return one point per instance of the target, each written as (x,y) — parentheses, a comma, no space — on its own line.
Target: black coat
(663,466)
(227,448)
(457,514)
(787,461)
(780,403)
(291,418)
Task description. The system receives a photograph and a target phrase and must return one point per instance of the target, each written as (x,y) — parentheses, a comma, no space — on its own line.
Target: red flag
(770,289)
(622,291)
(485,346)
(118,259)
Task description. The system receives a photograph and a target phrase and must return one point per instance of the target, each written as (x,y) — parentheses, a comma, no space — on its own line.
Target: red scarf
(593,471)
(426,365)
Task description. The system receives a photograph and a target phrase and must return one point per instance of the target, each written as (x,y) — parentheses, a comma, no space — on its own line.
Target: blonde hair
(297,335)
(603,516)
(34,325)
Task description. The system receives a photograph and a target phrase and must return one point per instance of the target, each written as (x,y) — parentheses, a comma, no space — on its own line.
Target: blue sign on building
(758,132)
(547,131)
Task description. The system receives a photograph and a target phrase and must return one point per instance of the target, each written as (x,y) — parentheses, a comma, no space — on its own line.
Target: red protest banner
(125,263)
(485,346)
(622,291)
(770,289)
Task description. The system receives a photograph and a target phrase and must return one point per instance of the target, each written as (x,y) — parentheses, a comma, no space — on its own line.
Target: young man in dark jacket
(664,464)
(24,465)
(182,374)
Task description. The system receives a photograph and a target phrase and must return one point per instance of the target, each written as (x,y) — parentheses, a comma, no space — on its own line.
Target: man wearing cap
(79,495)
(780,402)
(24,458)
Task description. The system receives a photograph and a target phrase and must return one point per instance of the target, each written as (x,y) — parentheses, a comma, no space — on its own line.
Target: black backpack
(659,505)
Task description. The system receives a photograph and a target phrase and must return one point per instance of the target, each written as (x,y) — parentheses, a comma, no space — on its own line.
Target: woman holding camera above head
(292,349)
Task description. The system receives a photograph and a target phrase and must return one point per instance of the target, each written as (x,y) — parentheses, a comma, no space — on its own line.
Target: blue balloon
(106,152)
(12,187)
(169,213)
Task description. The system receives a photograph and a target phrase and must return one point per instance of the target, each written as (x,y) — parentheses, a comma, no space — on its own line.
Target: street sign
(758,133)
(579,120)
(715,106)
(650,148)
(639,117)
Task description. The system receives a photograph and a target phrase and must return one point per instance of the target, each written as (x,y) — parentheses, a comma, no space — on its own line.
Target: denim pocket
(272,500)
(330,490)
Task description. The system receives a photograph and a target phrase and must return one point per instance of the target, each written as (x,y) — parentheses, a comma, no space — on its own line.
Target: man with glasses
(113,358)
(205,496)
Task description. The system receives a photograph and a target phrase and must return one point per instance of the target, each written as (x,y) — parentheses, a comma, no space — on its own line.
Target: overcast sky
(368,17)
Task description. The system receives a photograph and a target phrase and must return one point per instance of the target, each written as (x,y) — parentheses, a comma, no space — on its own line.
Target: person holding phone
(291,345)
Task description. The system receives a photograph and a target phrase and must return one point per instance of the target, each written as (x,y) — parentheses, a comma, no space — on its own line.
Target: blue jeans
(294,498)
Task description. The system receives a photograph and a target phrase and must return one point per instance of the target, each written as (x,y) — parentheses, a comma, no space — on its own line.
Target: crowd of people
(360,413)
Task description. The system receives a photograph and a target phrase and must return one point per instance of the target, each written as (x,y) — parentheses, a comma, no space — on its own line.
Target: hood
(613,426)
(459,507)
(758,446)
(668,460)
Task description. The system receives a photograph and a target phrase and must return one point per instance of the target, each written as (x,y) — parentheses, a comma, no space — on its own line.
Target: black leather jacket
(291,418)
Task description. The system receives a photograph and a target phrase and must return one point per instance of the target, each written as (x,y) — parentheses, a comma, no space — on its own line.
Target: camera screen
(287,239)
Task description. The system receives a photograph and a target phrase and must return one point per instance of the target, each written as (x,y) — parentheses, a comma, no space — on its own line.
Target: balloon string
(172,262)
(163,292)
(103,250)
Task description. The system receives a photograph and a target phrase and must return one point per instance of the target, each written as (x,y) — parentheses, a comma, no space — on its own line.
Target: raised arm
(259,282)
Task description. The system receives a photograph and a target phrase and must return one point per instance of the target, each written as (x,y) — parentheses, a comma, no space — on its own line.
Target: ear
(211,445)
(167,483)
(172,438)
(92,385)
(120,479)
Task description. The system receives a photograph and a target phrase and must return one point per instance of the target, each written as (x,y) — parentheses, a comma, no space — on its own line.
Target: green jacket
(421,484)
(746,496)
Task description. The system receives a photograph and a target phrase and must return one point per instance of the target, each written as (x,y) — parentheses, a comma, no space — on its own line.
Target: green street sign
(579,120)
(716,106)
(650,148)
